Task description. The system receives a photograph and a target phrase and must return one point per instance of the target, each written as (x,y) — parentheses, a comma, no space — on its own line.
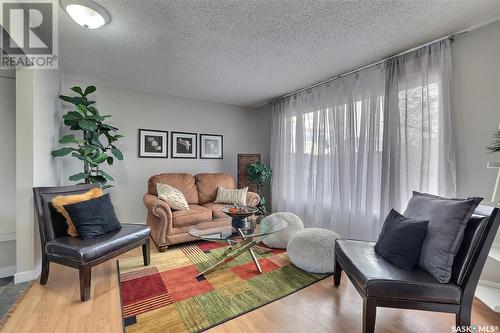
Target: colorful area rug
(167,297)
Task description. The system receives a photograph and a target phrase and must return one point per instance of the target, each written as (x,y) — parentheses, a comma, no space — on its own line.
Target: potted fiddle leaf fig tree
(260,174)
(95,142)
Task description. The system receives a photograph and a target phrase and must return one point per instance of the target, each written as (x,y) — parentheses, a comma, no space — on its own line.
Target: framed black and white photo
(183,145)
(211,146)
(153,143)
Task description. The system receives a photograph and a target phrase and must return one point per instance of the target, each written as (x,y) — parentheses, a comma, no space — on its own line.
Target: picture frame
(211,146)
(152,143)
(184,144)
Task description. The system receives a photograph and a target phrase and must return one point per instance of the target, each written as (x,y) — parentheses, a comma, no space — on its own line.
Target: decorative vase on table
(239,215)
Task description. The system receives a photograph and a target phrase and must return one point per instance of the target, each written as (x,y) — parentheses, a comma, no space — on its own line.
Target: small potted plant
(260,174)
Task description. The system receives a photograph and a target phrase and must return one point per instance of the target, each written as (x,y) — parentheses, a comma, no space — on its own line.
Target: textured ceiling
(246,52)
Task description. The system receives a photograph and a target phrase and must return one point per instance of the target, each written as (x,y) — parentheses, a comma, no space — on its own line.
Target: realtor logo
(29,34)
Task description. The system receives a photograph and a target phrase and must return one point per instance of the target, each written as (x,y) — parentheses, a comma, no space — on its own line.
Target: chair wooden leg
(146,254)
(369,315)
(85,281)
(337,274)
(463,317)
(44,276)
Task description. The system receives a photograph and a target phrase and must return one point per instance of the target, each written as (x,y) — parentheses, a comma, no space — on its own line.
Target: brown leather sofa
(170,227)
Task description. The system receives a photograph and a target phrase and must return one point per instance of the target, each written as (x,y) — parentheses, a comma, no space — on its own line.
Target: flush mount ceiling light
(86,13)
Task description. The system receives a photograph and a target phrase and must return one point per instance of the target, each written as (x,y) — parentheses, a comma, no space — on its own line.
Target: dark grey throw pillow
(401,239)
(447,221)
(93,217)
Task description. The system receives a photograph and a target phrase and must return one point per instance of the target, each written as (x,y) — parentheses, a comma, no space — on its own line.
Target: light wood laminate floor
(56,307)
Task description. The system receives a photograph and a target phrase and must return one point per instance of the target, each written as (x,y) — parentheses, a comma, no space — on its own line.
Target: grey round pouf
(280,239)
(312,250)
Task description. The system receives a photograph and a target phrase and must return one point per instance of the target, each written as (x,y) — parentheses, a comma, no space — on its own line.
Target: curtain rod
(452,36)
(449,36)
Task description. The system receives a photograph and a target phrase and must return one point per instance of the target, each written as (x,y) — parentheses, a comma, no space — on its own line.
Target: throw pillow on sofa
(235,197)
(61,200)
(172,196)
(400,240)
(447,221)
(93,217)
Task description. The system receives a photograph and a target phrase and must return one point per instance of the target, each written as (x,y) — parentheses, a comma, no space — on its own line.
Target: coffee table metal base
(234,251)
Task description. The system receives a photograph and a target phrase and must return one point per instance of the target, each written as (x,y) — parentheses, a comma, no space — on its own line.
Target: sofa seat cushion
(216,209)
(89,249)
(194,215)
(377,277)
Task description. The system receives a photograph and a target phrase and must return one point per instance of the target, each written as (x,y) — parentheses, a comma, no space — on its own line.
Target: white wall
(132,110)
(36,129)
(8,172)
(476,108)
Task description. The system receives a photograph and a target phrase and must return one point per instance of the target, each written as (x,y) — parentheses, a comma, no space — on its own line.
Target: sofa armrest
(159,218)
(253,199)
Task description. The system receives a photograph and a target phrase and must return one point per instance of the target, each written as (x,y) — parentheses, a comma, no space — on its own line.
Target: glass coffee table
(241,240)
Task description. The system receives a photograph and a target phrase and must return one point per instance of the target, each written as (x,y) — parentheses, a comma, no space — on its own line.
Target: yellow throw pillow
(61,200)
(174,197)
(228,196)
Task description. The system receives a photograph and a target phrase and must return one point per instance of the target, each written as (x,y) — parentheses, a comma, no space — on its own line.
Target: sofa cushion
(93,217)
(232,196)
(216,209)
(184,182)
(377,277)
(447,221)
(172,196)
(194,215)
(208,183)
(401,239)
(59,201)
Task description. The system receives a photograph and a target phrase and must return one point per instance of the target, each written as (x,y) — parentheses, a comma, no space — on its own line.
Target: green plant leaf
(89,90)
(98,179)
(101,158)
(110,160)
(118,153)
(107,176)
(93,110)
(87,125)
(82,109)
(73,115)
(69,139)
(62,152)
(79,176)
(109,127)
(96,118)
(78,156)
(78,90)
(68,99)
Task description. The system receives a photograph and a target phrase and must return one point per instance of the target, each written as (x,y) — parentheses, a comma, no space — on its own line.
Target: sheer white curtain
(345,152)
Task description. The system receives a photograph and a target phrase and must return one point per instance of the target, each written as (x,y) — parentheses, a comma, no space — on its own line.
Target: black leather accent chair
(382,284)
(60,248)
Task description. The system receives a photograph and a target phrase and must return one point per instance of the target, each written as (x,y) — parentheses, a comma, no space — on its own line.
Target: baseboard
(7,271)
(489,284)
(27,275)
(7,237)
